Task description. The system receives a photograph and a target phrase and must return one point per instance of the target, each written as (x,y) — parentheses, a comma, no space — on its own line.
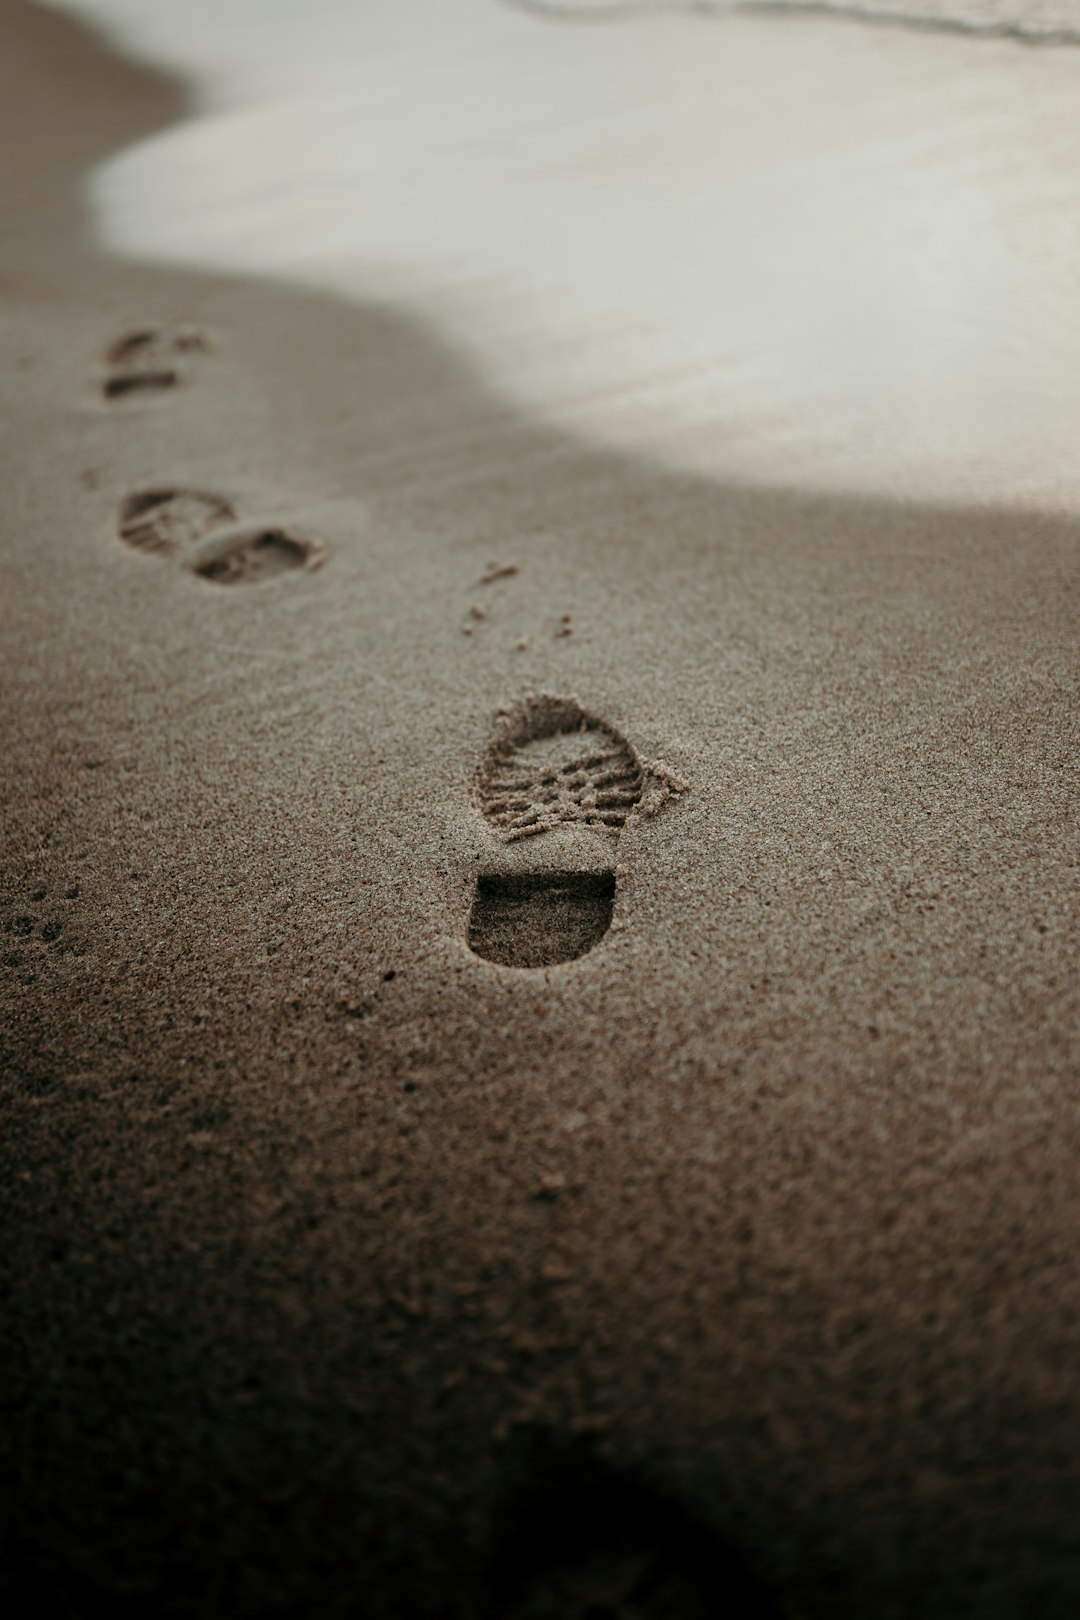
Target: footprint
(254,555)
(542,918)
(200,528)
(150,360)
(164,521)
(554,763)
(556,768)
(585,1545)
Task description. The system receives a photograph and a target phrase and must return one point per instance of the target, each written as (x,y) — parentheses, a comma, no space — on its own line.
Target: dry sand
(731,1263)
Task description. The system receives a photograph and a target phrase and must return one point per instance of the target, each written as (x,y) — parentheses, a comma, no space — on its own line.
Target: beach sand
(729,1264)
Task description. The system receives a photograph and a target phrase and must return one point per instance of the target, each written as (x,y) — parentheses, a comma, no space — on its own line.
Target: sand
(727,1266)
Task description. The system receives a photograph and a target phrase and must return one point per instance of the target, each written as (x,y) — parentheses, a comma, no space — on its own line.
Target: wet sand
(333,1249)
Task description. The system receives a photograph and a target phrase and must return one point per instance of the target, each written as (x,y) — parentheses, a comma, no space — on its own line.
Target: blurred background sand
(790,250)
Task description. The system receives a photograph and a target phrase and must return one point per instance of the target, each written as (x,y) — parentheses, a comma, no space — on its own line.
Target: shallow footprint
(164,521)
(149,360)
(201,528)
(255,555)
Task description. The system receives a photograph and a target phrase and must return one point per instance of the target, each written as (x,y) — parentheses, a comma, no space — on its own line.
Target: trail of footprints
(552,765)
(202,530)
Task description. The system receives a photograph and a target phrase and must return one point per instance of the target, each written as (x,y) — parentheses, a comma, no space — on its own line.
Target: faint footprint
(150,360)
(555,766)
(201,528)
(540,919)
(252,555)
(163,521)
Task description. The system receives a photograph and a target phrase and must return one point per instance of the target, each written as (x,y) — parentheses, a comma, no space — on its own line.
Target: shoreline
(760,250)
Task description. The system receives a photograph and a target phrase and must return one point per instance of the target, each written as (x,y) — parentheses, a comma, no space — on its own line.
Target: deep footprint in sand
(150,360)
(555,766)
(554,763)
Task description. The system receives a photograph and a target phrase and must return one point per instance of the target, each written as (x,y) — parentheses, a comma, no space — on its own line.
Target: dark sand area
(728,1265)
